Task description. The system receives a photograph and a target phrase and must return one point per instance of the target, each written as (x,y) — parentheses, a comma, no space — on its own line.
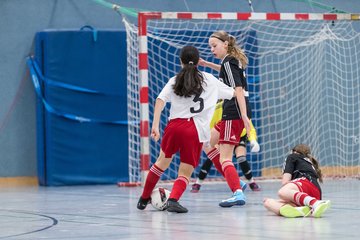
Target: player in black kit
(300,194)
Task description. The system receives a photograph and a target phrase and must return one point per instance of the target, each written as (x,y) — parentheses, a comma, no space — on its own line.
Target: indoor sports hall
(79,80)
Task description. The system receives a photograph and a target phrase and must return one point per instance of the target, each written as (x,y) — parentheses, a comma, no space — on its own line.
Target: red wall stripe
(142,24)
(144,95)
(184,15)
(142,18)
(273,16)
(144,128)
(301,16)
(214,15)
(243,16)
(143,61)
(330,17)
(144,162)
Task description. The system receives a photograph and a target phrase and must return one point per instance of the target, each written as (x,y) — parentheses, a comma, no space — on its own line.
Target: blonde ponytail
(237,52)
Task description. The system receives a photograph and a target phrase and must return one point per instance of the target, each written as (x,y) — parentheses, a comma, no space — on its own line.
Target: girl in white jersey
(193,96)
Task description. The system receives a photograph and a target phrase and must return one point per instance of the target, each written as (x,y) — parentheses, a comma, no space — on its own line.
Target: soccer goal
(303,77)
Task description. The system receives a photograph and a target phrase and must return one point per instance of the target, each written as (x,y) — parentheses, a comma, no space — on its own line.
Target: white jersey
(200,108)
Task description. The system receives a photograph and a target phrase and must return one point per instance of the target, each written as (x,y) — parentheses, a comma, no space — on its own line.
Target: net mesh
(303,79)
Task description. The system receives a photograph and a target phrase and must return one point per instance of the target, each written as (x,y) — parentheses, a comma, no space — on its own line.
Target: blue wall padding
(71,152)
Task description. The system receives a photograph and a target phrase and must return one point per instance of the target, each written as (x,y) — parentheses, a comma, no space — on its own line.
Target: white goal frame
(143,17)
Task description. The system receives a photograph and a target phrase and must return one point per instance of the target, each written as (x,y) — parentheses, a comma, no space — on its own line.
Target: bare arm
(211,65)
(286,178)
(155,132)
(242,104)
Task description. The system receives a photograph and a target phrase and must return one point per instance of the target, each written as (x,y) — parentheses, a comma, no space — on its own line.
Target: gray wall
(21,19)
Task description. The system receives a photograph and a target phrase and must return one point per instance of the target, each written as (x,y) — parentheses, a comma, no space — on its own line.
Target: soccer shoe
(174,206)
(243,185)
(238,198)
(320,207)
(142,203)
(293,212)
(195,188)
(254,186)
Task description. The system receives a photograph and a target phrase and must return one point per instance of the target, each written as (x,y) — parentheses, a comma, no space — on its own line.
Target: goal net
(303,78)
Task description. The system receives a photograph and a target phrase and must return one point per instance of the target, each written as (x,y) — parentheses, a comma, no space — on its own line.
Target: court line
(54,222)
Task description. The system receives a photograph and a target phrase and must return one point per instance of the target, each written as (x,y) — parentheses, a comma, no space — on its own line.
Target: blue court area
(109,212)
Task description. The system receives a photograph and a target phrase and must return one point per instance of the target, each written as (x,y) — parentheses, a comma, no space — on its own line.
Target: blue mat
(82,132)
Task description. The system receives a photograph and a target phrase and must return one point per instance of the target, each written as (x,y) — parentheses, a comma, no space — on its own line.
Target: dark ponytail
(189,80)
(317,167)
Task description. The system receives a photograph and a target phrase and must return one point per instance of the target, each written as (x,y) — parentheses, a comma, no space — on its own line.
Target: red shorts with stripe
(217,126)
(180,135)
(304,185)
(230,131)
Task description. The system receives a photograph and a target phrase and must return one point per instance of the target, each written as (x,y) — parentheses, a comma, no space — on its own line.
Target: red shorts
(230,131)
(180,135)
(304,185)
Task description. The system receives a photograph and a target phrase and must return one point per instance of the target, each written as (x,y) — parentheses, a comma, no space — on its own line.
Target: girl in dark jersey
(300,194)
(234,116)
(240,149)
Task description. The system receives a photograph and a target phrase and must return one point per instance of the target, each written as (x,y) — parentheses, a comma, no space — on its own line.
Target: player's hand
(202,62)
(247,125)
(155,134)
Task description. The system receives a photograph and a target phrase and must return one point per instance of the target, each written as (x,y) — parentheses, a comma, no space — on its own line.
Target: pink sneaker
(195,188)
(254,186)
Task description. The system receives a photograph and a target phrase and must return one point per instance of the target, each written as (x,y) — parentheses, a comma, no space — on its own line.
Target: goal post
(302,76)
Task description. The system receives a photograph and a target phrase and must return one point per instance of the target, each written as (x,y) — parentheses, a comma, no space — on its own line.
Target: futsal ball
(159,197)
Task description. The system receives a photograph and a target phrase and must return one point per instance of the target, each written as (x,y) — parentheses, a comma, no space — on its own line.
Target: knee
(266,202)
(282,193)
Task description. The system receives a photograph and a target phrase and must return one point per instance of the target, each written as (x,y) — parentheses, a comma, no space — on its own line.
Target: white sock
(199,181)
(307,201)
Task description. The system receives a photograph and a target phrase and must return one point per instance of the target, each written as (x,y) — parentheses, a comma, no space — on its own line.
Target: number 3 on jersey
(197,98)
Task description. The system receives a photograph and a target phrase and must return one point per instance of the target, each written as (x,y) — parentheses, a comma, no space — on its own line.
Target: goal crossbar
(143,61)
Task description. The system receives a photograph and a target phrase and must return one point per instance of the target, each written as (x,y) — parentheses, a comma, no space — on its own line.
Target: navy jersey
(300,166)
(232,74)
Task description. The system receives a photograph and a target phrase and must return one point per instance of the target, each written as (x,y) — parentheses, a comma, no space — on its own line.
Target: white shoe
(320,207)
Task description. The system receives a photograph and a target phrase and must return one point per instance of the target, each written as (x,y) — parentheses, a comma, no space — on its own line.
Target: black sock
(245,167)
(205,168)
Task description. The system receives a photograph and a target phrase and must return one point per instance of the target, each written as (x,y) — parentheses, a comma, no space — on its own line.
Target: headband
(214,36)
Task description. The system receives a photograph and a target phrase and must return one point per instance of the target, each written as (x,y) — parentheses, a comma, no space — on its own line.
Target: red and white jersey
(201,107)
